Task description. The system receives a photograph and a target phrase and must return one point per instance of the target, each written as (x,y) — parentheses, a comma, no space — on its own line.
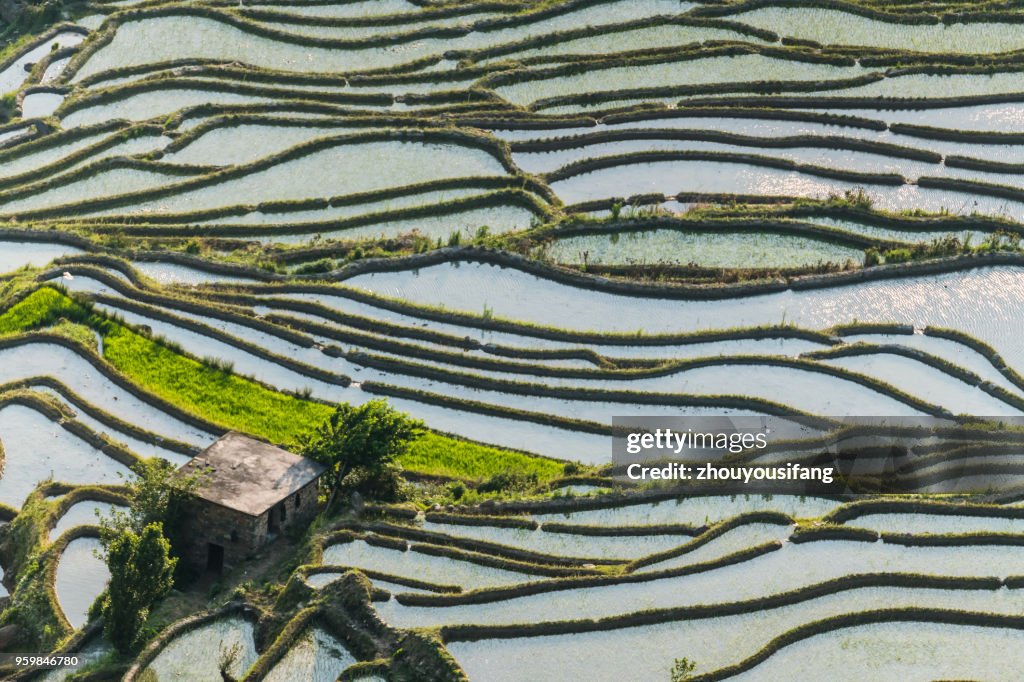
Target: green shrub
(322,265)
(509,481)
(898,255)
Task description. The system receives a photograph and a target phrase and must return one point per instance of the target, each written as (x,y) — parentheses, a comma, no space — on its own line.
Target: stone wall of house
(239,534)
(299,509)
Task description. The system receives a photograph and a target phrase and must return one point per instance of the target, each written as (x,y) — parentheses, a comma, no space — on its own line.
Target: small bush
(322,265)
(509,481)
(898,255)
(457,489)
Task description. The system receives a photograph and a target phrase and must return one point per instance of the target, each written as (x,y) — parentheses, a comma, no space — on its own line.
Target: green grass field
(241,404)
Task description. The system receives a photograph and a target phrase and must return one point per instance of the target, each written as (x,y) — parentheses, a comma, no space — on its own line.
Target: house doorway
(276,517)
(272,524)
(214,558)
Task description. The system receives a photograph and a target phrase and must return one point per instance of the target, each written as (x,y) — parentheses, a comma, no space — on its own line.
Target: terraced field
(515,220)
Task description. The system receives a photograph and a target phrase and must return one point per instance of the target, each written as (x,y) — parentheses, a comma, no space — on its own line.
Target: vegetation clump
(360,446)
(138,553)
(141,572)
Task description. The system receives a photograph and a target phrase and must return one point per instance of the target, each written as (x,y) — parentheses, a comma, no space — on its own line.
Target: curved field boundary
(860,508)
(611,500)
(954,135)
(117,73)
(713,532)
(277,649)
(860,102)
(980,347)
(415,534)
(470,633)
(96,168)
(895,221)
(639,115)
(281,120)
(265,297)
(622,531)
(586,166)
(579,141)
(218,66)
(118,93)
(120,134)
(427,12)
(570,582)
(914,17)
(95,265)
(21,132)
(57,138)
(833,235)
(336,227)
(649,397)
(35,76)
(828,533)
(946,367)
(388,577)
(377,342)
(525,523)
(52,32)
(88,493)
(480,520)
(706,92)
(482,183)
(629,575)
(972,187)
(987,165)
(670,55)
(911,615)
(48,409)
(558,37)
(184,626)
(581,280)
(654,200)
(480,558)
(50,560)
(229,339)
(448,84)
(113,375)
(496,149)
(991,539)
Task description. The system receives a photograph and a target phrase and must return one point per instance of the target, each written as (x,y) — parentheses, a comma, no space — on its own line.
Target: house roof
(248,475)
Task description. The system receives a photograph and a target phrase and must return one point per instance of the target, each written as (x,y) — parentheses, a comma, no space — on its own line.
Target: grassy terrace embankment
(233,402)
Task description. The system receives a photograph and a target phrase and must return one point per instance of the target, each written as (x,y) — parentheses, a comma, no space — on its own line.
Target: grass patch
(238,403)
(79,333)
(211,392)
(440,455)
(42,308)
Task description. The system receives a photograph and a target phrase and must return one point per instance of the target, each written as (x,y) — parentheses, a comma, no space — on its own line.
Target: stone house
(248,492)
